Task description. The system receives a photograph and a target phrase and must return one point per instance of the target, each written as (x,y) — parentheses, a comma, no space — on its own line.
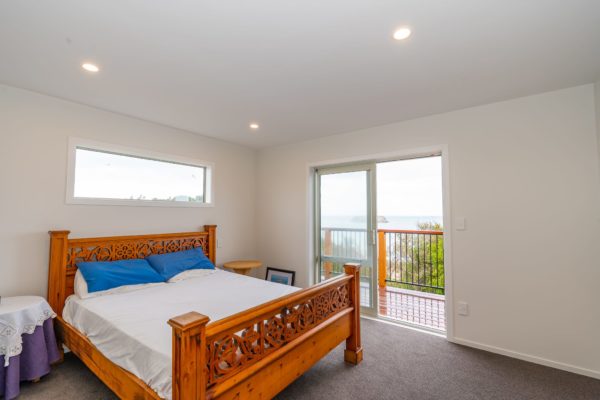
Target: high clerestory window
(107,174)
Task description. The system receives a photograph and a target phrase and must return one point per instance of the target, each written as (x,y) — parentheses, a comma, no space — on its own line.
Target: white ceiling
(303,68)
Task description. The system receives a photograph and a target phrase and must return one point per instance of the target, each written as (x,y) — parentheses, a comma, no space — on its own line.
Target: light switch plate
(460,223)
(463,308)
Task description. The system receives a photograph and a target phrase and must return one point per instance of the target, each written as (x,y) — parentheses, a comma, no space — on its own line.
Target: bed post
(189,356)
(212,242)
(57,277)
(354,352)
(57,274)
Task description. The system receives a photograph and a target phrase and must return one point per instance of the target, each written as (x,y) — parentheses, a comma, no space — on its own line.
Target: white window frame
(75,143)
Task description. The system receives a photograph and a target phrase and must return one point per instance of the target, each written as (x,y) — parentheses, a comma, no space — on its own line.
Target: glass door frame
(370,169)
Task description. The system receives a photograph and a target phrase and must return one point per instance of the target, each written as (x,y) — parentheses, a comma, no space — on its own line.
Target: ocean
(393,222)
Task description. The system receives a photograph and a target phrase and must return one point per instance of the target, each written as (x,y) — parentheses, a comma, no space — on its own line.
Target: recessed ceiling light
(402,33)
(90,67)
(254,126)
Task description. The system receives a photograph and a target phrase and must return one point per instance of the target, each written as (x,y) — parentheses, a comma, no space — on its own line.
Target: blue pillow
(104,275)
(170,264)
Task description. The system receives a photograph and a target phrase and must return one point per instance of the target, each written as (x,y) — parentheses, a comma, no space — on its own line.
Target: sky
(410,187)
(106,175)
(404,188)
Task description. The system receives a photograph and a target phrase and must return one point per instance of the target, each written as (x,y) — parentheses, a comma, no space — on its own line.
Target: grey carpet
(399,364)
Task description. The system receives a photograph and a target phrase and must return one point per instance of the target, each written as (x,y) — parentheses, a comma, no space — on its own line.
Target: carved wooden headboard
(65,253)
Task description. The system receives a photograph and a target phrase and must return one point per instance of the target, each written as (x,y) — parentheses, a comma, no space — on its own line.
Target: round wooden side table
(242,267)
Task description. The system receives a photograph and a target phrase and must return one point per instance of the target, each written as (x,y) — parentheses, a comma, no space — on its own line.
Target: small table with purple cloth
(27,342)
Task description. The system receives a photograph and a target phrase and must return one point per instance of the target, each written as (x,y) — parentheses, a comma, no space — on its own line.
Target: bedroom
(508,93)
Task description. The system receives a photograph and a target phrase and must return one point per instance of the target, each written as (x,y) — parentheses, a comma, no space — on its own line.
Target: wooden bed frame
(250,355)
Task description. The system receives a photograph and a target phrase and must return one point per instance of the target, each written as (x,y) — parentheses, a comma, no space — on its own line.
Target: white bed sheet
(131,329)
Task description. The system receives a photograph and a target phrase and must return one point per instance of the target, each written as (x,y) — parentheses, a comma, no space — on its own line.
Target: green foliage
(416,261)
(430,226)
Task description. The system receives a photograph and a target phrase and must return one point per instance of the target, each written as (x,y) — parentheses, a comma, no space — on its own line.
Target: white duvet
(131,329)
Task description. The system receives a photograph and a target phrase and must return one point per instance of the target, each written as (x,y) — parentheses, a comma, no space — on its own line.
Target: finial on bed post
(189,356)
(354,352)
(212,242)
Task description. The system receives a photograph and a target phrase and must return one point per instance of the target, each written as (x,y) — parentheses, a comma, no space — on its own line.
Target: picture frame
(282,276)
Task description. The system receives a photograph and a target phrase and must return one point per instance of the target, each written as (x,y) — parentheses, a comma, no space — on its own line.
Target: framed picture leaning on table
(281,276)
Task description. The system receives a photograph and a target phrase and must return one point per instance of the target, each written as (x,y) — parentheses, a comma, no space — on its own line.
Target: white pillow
(81,288)
(191,273)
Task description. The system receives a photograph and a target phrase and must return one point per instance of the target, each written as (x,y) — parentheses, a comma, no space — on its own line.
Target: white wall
(524,173)
(33,155)
(597,97)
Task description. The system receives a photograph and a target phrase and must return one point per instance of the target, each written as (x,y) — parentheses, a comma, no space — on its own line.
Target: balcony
(410,271)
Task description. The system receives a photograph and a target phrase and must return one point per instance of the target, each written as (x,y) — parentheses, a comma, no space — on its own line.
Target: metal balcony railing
(407,259)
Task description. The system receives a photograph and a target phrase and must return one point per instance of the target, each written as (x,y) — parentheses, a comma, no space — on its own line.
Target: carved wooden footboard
(251,355)
(258,352)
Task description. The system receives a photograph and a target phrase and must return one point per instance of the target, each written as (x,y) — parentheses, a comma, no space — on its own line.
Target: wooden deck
(419,308)
(415,307)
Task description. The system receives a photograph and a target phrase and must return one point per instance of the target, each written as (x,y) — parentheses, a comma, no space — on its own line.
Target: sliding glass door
(345,225)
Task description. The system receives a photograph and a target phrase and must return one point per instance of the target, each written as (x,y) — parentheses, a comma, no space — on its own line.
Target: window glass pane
(344,211)
(107,175)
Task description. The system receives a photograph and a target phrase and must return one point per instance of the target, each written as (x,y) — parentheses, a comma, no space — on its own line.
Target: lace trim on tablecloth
(11,341)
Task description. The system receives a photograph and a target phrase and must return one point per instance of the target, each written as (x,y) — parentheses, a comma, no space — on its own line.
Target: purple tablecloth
(39,351)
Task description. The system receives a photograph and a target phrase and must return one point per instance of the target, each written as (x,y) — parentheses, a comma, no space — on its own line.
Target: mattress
(131,328)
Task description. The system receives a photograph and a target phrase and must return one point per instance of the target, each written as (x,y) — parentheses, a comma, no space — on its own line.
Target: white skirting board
(527,357)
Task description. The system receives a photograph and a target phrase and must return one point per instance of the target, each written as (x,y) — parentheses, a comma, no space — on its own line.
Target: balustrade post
(382,271)
(381,259)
